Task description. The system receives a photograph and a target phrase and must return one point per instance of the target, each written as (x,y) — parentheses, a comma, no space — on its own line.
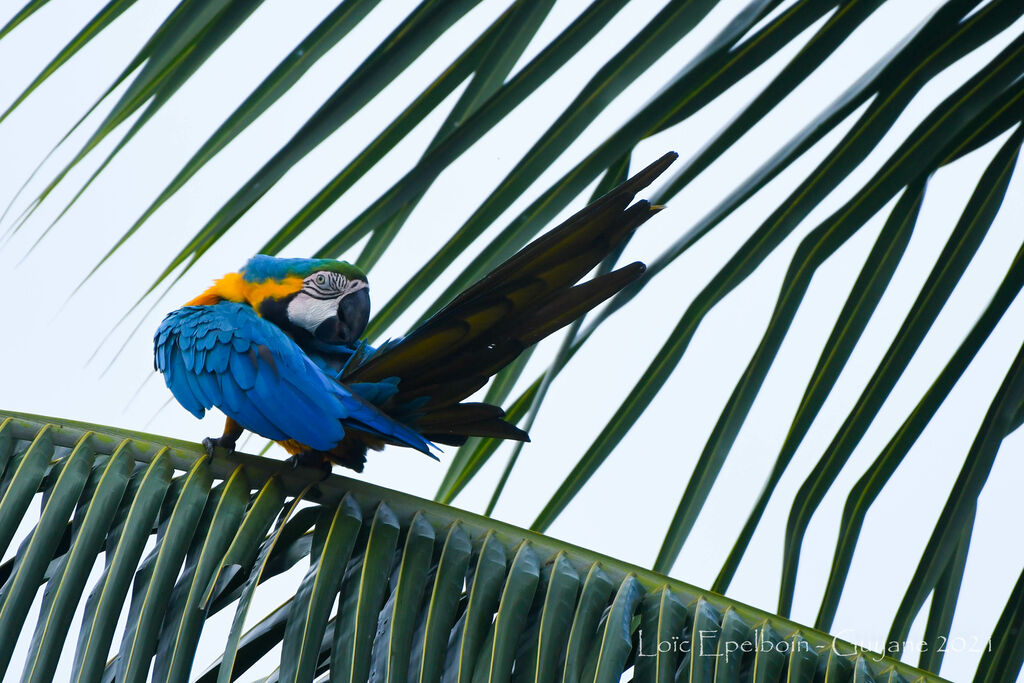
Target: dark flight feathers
(529,296)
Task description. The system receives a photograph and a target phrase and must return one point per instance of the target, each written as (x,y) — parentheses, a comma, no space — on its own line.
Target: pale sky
(47,347)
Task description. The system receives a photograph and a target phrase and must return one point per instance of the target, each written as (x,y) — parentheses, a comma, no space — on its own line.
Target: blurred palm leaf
(424,591)
(987,106)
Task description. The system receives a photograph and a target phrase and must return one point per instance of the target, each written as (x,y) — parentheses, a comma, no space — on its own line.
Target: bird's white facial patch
(319,298)
(308,311)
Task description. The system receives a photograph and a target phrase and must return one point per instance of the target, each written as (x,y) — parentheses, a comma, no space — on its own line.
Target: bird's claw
(212,444)
(303,460)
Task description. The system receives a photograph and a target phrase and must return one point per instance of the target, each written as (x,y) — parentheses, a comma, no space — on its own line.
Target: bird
(277,347)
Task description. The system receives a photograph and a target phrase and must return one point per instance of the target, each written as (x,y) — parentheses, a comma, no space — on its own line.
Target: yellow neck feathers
(234,287)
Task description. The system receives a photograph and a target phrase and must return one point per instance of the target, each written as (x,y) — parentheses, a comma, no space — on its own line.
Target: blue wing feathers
(376,392)
(236,403)
(176,376)
(217,359)
(188,355)
(243,370)
(226,356)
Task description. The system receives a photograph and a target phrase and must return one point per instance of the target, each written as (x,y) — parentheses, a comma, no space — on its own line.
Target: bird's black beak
(350,322)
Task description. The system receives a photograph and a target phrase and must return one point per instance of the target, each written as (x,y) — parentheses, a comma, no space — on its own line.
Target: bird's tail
(526,298)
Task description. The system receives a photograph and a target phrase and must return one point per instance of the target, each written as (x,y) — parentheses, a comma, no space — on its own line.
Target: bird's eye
(321,279)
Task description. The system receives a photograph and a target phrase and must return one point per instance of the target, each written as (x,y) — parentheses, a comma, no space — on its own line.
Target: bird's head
(325,299)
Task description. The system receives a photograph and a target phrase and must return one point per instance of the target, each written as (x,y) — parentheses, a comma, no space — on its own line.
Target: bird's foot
(313,461)
(212,444)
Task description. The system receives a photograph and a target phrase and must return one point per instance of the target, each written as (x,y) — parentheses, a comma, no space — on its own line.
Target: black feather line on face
(324,285)
(328,285)
(318,294)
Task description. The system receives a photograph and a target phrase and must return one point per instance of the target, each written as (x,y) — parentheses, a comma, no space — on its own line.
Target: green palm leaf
(420,586)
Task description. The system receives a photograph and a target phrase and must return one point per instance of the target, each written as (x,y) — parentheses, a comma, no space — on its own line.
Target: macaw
(276,346)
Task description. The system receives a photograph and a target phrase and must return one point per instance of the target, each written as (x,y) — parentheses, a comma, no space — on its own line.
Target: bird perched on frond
(276,346)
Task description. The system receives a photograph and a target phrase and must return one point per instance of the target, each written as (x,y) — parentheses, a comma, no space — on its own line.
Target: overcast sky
(47,348)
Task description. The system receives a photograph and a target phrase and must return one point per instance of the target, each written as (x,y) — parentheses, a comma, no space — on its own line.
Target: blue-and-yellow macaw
(276,345)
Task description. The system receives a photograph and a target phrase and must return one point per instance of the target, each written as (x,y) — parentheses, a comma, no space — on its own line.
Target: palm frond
(423,591)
